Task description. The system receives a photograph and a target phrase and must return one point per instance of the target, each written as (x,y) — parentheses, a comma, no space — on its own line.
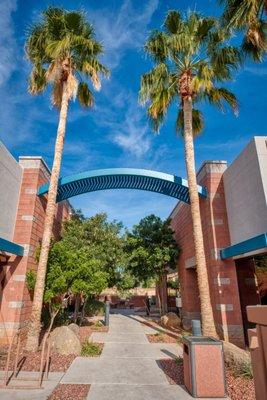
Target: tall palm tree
(189,62)
(248,15)
(64,54)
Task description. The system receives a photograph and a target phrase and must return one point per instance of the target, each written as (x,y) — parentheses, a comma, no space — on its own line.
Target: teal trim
(123,178)
(252,244)
(10,247)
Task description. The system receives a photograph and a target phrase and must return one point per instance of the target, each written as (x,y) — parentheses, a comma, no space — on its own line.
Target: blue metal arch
(122,178)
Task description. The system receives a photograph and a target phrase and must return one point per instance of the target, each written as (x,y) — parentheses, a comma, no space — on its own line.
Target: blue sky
(116,133)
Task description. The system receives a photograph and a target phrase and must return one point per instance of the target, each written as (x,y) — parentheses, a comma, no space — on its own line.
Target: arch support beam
(123,178)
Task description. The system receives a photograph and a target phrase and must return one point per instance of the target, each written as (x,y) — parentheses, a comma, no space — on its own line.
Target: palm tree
(248,15)
(64,53)
(189,61)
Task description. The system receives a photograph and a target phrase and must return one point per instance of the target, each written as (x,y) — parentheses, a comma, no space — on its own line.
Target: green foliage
(249,16)
(150,248)
(62,48)
(173,284)
(31,279)
(191,58)
(179,360)
(90,349)
(244,370)
(94,307)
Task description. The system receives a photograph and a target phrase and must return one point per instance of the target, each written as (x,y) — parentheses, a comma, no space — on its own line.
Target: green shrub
(94,307)
(244,370)
(179,360)
(90,349)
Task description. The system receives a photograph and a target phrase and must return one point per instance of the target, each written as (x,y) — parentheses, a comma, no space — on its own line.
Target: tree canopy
(191,58)
(150,247)
(63,42)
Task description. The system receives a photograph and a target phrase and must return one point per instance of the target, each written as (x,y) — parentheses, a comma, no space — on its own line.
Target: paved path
(127,368)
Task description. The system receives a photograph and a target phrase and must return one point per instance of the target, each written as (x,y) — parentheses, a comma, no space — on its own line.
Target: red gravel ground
(239,388)
(30,361)
(161,338)
(70,392)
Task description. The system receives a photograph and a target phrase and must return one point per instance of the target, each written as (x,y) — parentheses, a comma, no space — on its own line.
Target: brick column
(222,273)
(16,299)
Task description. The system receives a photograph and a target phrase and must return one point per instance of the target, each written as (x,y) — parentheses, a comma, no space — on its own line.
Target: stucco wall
(245,184)
(10,181)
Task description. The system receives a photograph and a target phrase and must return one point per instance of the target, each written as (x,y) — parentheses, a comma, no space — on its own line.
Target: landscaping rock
(65,341)
(171,320)
(75,328)
(234,356)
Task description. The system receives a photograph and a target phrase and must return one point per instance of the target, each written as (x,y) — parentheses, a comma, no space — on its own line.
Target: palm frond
(157,47)
(220,96)
(37,80)
(85,95)
(173,22)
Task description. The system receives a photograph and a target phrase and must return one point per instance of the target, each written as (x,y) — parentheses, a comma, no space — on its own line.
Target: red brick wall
(222,274)
(15,297)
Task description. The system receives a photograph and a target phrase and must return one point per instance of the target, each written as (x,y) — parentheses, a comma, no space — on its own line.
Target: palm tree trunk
(35,319)
(208,326)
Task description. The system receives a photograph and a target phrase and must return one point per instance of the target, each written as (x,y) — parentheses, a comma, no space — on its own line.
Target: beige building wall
(245,184)
(10,181)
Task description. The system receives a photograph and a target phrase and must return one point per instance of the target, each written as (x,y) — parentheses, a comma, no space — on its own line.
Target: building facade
(22,215)
(234,222)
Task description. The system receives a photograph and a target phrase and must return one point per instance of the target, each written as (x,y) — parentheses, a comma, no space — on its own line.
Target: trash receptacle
(204,374)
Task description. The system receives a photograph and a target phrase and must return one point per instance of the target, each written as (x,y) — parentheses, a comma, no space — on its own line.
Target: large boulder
(75,328)
(234,356)
(65,341)
(170,320)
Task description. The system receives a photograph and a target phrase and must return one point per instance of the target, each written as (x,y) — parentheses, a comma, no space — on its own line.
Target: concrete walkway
(127,368)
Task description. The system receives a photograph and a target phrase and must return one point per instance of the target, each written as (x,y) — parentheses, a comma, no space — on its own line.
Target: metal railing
(11,372)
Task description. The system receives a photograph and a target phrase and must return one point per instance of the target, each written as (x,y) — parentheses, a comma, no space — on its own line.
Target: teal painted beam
(10,247)
(123,178)
(247,246)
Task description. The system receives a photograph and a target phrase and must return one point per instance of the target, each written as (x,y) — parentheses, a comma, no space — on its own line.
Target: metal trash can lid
(193,340)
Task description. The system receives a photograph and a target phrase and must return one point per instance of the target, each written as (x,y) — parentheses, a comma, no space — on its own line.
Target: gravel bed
(239,388)
(30,361)
(70,392)
(161,338)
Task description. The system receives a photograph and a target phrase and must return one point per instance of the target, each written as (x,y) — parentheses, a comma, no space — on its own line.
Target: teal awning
(247,246)
(123,178)
(11,247)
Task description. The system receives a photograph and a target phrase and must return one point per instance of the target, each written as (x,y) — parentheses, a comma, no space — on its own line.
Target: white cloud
(132,133)
(7,41)
(122,29)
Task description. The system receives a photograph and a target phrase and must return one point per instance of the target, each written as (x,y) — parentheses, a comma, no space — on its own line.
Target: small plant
(244,370)
(90,349)
(97,325)
(179,360)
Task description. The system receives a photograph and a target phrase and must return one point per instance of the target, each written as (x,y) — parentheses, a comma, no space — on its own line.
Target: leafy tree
(190,60)
(249,16)
(150,248)
(100,236)
(64,54)
(55,286)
